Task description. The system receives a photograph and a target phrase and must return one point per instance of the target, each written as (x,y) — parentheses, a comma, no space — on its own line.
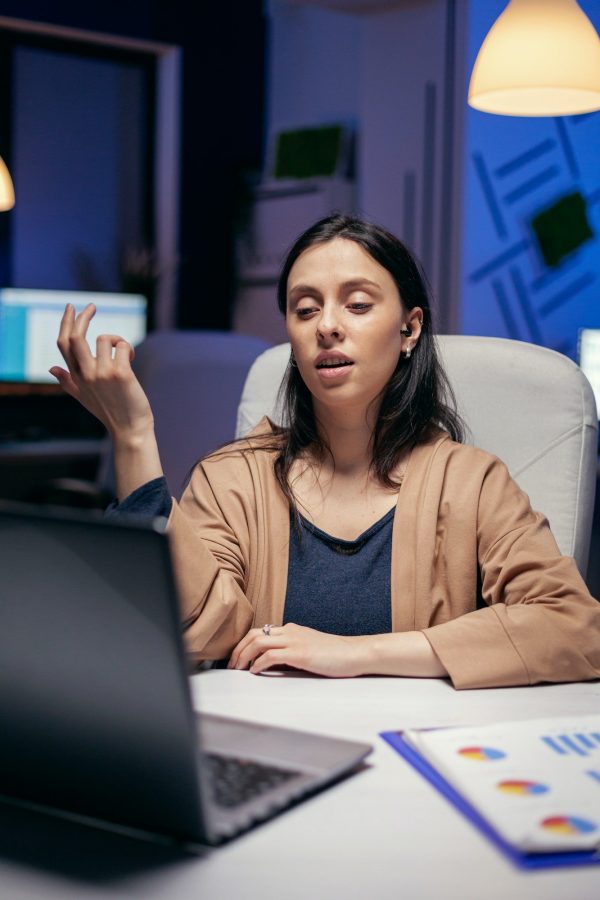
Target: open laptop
(97,719)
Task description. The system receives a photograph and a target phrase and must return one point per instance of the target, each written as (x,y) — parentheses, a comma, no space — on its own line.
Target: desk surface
(383,833)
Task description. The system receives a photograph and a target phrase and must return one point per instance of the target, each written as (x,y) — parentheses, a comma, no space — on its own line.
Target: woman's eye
(304,311)
(359,307)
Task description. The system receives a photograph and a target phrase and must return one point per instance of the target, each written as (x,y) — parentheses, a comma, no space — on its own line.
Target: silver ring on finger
(267,629)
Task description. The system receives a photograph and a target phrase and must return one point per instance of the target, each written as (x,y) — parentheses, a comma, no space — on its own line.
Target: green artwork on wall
(562,228)
(309,152)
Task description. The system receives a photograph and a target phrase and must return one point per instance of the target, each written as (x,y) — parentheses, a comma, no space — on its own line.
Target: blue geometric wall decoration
(531,248)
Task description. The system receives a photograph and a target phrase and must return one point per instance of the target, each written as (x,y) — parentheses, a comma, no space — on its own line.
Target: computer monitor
(30,319)
(589,359)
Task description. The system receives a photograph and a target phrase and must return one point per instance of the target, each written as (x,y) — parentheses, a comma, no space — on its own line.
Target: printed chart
(481,753)
(534,781)
(522,788)
(582,744)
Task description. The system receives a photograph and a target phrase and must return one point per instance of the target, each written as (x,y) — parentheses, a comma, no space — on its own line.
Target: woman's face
(344,318)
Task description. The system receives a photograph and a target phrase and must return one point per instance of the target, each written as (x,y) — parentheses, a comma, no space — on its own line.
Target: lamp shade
(7,191)
(540,58)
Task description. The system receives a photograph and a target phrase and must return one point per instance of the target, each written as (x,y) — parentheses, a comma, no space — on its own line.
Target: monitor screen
(589,359)
(30,319)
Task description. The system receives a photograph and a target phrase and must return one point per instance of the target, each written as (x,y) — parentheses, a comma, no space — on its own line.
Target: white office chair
(530,406)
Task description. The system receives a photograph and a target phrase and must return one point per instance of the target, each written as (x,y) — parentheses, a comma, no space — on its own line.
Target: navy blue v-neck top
(341,587)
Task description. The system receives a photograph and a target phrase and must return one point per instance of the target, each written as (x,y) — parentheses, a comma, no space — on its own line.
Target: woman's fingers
(78,345)
(71,338)
(82,320)
(111,349)
(122,357)
(255,643)
(64,334)
(270,658)
(241,648)
(66,382)
(124,353)
(104,349)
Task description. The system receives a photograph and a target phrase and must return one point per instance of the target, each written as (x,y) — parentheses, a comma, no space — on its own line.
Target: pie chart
(522,788)
(481,753)
(568,825)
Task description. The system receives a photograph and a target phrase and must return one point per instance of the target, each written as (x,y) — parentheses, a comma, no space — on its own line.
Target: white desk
(383,833)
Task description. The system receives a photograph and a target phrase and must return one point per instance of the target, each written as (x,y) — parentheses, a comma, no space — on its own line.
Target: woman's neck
(349,436)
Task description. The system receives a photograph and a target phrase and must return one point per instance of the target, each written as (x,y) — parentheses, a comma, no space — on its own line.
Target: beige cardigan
(458,513)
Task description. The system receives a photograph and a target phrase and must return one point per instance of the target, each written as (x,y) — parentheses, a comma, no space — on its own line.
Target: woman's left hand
(301,648)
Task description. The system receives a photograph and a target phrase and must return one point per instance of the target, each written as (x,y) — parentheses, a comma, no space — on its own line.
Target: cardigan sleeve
(210,546)
(540,624)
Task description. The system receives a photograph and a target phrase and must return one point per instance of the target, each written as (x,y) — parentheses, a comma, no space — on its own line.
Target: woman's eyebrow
(353,284)
(301,290)
(356,283)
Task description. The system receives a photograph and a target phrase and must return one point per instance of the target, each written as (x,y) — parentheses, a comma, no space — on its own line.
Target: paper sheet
(537,782)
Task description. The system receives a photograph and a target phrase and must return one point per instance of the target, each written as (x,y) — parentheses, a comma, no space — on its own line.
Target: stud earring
(293,362)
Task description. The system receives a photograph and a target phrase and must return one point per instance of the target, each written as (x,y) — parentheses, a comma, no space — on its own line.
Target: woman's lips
(336,372)
(331,357)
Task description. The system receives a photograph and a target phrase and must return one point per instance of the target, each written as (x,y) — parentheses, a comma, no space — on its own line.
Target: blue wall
(514,169)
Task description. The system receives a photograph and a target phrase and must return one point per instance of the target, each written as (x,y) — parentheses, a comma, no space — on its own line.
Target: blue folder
(523,860)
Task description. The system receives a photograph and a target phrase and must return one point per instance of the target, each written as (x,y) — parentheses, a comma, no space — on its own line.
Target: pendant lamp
(7,191)
(540,58)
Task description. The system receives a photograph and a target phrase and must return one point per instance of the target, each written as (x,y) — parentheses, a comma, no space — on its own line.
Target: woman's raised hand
(105,383)
(106,386)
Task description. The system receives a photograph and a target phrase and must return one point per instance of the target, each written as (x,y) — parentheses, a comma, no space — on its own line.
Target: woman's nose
(329,325)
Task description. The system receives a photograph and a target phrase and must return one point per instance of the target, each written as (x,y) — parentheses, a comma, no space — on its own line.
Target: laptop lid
(94,699)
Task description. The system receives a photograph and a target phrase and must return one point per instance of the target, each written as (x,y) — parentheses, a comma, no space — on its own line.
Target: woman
(383,544)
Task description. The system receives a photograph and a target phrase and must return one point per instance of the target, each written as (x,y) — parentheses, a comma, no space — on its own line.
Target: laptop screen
(30,319)
(589,359)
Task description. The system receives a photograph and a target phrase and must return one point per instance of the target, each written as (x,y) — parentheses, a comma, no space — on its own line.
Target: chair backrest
(194,382)
(530,406)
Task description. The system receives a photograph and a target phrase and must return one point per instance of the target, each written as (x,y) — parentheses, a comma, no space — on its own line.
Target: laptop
(95,705)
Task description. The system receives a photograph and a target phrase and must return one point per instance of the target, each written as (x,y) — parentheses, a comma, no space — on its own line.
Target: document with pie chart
(536,782)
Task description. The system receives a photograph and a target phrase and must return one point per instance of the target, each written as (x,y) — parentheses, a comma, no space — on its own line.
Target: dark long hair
(418,396)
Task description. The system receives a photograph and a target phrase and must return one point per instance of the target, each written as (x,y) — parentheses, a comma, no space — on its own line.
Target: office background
(463,188)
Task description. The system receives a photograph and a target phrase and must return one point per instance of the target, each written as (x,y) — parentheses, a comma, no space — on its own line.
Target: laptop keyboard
(235,781)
